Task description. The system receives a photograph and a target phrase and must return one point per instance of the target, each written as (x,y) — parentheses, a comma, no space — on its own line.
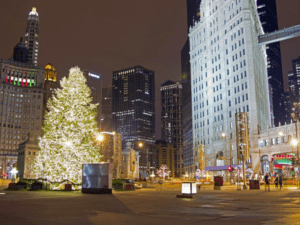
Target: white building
(228,75)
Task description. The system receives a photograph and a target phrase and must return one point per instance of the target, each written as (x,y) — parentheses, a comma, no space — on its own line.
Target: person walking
(267,182)
(280,181)
(276,181)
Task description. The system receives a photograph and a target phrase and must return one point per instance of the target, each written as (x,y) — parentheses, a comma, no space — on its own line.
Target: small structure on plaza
(130,163)
(26,155)
(97,178)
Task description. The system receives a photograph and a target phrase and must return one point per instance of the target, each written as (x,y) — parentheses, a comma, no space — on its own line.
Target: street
(150,206)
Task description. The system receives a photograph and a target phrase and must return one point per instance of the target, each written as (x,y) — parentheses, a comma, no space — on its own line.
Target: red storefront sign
(283,156)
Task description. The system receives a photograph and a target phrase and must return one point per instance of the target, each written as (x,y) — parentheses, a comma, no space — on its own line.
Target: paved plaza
(151,206)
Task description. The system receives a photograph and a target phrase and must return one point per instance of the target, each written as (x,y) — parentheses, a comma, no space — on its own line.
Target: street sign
(230,168)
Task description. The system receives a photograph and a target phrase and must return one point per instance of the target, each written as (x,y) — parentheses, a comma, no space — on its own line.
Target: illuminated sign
(94,75)
(283,156)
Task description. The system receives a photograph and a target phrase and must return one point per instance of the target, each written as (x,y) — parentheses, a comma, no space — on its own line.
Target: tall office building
(94,82)
(193,15)
(32,36)
(50,84)
(21,103)
(106,115)
(165,155)
(268,16)
(133,110)
(295,79)
(171,121)
(228,75)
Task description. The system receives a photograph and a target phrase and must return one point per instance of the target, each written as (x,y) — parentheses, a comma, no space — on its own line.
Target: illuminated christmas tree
(69,132)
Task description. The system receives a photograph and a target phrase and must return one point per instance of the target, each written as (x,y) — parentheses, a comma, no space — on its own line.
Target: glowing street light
(14,172)
(294,142)
(141,144)
(280,133)
(223,135)
(100,137)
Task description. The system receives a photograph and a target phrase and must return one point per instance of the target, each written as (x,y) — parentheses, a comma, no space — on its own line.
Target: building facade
(111,150)
(133,111)
(106,115)
(32,36)
(21,103)
(165,155)
(294,78)
(228,75)
(267,11)
(171,121)
(50,84)
(130,163)
(94,82)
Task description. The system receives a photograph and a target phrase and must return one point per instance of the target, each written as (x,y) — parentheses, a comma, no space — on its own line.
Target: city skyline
(108,43)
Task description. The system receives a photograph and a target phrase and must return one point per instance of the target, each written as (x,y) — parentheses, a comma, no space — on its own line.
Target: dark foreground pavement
(149,206)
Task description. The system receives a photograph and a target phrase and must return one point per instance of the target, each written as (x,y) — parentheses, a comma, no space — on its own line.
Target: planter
(127,186)
(12,186)
(21,186)
(117,187)
(37,186)
(68,187)
(217,187)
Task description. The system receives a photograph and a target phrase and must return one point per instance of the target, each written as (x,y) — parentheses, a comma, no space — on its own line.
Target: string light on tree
(163,171)
(69,132)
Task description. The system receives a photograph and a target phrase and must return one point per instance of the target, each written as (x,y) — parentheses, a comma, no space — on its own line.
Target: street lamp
(141,145)
(294,142)
(100,137)
(14,172)
(295,115)
(223,135)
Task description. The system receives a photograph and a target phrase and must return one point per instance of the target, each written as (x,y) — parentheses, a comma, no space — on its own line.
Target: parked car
(138,185)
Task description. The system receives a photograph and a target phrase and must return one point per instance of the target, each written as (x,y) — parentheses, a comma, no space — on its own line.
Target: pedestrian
(280,181)
(276,181)
(267,183)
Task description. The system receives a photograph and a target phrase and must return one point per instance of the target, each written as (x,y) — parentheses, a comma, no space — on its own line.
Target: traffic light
(132,160)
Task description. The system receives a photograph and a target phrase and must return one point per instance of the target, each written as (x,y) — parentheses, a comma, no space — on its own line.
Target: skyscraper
(50,84)
(21,104)
(106,115)
(296,76)
(193,12)
(133,110)
(193,15)
(94,82)
(32,36)
(268,17)
(228,75)
(171,121)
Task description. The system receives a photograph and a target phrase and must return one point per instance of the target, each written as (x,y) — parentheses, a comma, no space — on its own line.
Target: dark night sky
(107,35)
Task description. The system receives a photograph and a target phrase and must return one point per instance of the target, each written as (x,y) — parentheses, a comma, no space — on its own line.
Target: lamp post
(100,138)
(295,115)
(14,172)
(223,135)
(294,143)
(141,144)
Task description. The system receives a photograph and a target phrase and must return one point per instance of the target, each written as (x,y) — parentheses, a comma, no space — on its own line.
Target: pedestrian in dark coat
(276,181)
(280,181)
(267,182)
